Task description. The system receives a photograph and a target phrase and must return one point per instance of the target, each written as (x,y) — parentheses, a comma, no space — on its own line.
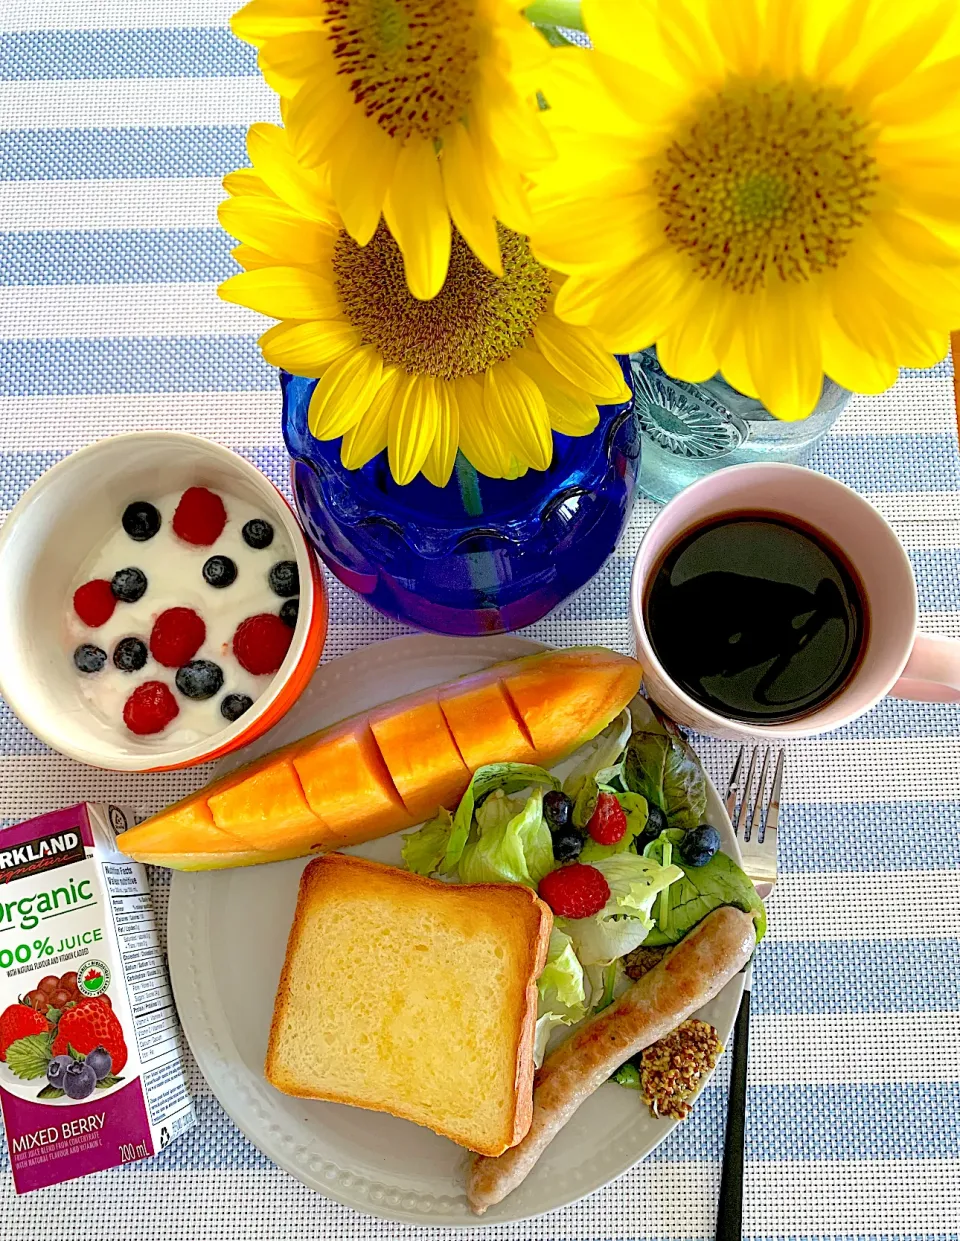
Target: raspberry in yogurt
(154,619)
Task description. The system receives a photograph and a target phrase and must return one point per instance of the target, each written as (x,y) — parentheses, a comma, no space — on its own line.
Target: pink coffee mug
(897,660)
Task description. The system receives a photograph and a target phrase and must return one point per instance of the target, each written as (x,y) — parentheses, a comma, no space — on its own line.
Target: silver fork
(755,826)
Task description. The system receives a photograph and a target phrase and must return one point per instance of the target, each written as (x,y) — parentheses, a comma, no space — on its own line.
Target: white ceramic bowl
(63,517)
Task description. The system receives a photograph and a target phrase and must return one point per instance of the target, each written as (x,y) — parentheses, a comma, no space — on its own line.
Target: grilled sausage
(689,976)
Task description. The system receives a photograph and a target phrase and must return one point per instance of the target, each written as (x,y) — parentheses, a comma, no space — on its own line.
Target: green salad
(617,847)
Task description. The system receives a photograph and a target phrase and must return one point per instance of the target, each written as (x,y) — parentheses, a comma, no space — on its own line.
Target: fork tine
(733,787)
(740,825)
(773,809)
(758,802)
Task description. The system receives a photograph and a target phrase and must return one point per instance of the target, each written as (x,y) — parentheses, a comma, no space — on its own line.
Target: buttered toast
(414,997)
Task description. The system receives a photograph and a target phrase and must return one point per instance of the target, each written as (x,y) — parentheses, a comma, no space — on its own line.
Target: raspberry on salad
(150,708)
(200,517)
(177,635)
(575,891)
(94,602)
(261,643)
(608,823)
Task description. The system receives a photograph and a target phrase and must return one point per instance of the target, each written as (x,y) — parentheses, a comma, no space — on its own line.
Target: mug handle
(932,673)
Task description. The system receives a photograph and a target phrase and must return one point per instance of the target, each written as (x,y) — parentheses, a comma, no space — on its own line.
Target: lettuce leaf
(668,774)
(510,777)
(424,849)
(509,848)
(600,759)
(700,890)
(625,921)
(561,990)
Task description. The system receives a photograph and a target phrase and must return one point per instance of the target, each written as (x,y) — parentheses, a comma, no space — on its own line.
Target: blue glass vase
(480,555)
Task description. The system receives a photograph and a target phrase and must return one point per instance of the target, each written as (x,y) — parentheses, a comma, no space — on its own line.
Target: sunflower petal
(571,410)
(249,258)
(504,183)
(438,464)
(413,425)
(314,118)
(271,154)
(266,19)
(783,349)
(692,346)
(363,159)
(847,364)
(578,355)
(368,436)
(245,182)
(468,197)
(345,392)
(518,412)
(416,214)
(287,61)
(921,95)
(905,49)
(283,293)
(308,348)
(479,443)
(276,229)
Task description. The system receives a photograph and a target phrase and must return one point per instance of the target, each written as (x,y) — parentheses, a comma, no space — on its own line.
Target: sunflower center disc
(476,319)
(409,62)
(766,179)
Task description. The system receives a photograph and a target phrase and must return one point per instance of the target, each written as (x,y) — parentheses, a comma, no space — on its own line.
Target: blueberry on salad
(200,678)
(129,585)
(567,844)
(655,824)
(257,534)
(219,571)
(699,845)
(130,654)
(141,520)
(89,658)
(557,810)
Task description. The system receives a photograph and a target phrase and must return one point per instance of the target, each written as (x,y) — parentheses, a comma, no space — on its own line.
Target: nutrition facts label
(151,1003)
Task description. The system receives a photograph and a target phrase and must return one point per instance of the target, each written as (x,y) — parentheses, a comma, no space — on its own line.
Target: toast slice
(411,996)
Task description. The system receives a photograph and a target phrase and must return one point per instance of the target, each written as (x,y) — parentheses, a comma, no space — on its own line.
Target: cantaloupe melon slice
(344,778)
(268,809)
(484,726)
(166,832)
(421,755)
(566,697)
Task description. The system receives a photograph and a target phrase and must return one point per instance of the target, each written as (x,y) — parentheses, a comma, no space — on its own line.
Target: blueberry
(200,678)
(129,585)
(99,1060)
(56,1069)
(655,824)
(557,810)
(234,705)
(220,571)
(290,612)
(285,579)
(130,654)
(567,844)
(141,520)
(78,1080)
(699,845)
(258,534)
(89,658)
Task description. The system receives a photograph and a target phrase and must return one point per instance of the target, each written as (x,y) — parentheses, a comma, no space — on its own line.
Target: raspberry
(200,517)
(261,643)
(93,602)
(177,635)
(608,823)
(150,708)
(575,891)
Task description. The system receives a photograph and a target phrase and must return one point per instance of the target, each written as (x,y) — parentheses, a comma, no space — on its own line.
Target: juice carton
(91,1073)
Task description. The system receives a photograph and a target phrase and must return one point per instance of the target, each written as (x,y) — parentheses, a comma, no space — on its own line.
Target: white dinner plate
(227,937)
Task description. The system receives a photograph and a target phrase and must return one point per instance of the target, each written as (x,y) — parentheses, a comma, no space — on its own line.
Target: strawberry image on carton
(91,1073)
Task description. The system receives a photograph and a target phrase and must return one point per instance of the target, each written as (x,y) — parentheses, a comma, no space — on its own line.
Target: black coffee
(756,618)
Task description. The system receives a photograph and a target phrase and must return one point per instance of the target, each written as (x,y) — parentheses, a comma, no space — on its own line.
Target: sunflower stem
(555,13)
(469,486)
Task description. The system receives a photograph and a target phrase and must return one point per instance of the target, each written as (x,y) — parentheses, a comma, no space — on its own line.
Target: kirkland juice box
(91,1074)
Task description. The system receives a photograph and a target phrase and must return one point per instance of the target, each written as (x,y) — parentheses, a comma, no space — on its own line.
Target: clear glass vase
(480,555)
(689,430)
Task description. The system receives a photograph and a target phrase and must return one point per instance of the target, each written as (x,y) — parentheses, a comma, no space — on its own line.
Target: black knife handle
(730,1206)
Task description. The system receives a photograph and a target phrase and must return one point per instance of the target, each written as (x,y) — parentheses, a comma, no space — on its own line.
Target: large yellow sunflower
(769,188)
(485,366)
(424,110)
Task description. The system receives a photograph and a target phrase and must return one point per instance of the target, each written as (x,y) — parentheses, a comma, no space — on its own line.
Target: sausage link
(690,975)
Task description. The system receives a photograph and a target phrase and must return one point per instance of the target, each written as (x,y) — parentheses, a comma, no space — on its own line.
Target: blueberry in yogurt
(290,612)
(129,585)
(89,658)
(234,705)
(220,571)
(200,678)
(130,654)
(141,520)
(257,534)
(285,579)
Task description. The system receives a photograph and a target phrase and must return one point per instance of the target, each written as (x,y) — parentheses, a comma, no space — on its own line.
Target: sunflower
(485,365)
(424,110)
(768,188)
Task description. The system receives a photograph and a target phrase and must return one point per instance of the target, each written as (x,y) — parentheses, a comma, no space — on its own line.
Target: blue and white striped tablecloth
(118,119)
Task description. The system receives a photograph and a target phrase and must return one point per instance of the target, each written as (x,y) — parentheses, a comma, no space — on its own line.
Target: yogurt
(174,572)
